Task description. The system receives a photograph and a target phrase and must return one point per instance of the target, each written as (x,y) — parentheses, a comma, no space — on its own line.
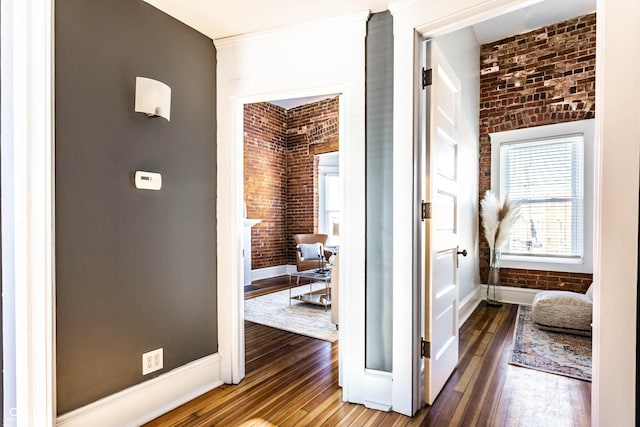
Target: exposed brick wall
(281,174)
(265,182)
(538,279)
(311,129)
(538,78)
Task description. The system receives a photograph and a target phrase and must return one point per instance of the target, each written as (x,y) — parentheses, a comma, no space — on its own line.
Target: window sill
(547,264)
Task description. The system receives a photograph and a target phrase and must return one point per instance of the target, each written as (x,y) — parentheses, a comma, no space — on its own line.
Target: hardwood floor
(291,380)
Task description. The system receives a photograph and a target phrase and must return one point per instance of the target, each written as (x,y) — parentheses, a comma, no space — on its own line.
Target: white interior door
(440,239)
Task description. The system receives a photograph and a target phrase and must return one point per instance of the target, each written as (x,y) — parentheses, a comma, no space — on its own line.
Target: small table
(319,296)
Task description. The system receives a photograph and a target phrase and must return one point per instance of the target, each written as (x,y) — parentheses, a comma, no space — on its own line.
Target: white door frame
(239,370)
(318,58)
(28,212)
(323,172)
(613,390)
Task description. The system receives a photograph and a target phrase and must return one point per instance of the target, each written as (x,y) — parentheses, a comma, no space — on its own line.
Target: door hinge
(425,210)
(425,349)
(427,77)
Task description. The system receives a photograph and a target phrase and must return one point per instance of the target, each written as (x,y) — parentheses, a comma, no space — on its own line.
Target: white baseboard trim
(143,402)
(377,406)
(511,295)
(268,272)
(378,386)
(468,305)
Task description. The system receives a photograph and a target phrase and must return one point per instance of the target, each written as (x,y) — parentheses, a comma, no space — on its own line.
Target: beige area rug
(299,317)
(557,353)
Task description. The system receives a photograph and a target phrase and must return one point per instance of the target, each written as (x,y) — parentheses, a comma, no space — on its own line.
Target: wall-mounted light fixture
(153,98)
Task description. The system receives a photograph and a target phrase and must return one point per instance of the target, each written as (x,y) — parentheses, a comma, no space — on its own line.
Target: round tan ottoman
(563,311)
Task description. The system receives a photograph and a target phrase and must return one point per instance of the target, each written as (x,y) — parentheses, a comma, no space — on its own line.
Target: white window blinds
(546,178)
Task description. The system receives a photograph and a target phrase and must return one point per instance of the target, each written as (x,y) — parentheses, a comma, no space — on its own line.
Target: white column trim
(27,205)
(613,400)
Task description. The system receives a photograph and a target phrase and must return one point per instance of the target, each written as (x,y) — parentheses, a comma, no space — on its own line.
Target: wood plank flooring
(292,380)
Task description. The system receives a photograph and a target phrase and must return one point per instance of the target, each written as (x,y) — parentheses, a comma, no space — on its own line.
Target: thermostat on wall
(148,180)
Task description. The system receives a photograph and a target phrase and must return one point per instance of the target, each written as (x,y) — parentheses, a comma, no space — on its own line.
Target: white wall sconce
(153,98)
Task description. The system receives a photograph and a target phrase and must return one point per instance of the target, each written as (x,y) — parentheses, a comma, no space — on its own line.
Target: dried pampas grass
(490,214)
(497,219)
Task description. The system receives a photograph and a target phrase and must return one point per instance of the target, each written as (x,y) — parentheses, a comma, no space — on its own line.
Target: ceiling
(223,18)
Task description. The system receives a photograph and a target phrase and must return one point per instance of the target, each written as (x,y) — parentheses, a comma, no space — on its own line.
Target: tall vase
(494,288)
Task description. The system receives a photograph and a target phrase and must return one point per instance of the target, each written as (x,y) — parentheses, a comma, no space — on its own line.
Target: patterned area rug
(299,317)
(557,353)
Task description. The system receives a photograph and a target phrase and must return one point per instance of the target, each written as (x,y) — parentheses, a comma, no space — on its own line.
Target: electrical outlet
(152,361)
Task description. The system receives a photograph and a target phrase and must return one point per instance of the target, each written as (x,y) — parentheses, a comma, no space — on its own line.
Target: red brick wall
(538,78)
(311,129)
(281,174)
(265,182)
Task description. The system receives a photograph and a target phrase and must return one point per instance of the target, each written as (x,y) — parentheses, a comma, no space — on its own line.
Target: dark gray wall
(379,191)
(135,269)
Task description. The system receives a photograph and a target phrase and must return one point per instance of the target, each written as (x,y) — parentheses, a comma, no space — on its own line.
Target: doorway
(291,187)
(517,80)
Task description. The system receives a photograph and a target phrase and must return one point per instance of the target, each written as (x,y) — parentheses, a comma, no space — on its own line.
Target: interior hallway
(293,381)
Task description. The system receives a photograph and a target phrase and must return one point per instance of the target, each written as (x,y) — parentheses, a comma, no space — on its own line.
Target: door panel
(441,230)
(446,152)
(446,207)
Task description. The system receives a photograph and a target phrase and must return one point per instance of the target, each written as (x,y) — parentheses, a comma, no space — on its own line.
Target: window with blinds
(546,177)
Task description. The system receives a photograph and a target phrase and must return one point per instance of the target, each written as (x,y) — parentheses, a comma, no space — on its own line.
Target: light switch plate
(148,180)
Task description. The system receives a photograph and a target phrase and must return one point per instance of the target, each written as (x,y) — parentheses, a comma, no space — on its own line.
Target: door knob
(463,253)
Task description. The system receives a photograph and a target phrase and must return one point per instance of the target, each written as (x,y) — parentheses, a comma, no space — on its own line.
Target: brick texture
(542,77)
(311,129)
(265,181)
(281,174)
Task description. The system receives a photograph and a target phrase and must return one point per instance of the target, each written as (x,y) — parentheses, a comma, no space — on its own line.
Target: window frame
(550,263)
(328,167)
